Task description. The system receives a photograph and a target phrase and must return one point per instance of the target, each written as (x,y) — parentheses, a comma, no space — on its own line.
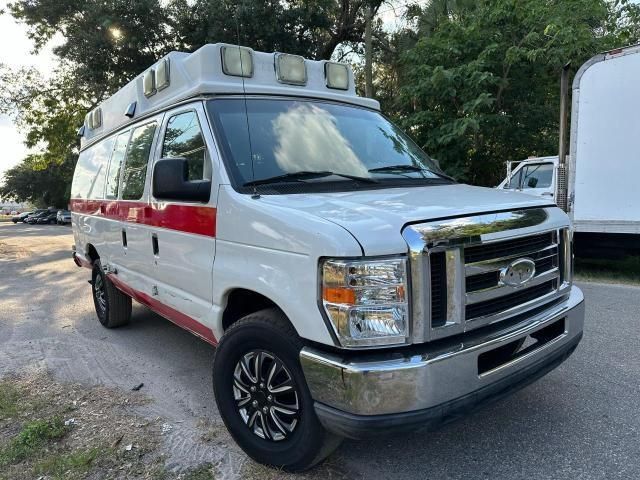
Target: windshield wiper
(407,168)
(396,168)
(302,175)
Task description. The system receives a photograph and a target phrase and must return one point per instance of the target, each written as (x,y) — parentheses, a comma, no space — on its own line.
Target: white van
(350,287)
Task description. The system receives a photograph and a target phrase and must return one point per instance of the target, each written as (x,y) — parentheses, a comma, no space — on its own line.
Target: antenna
(255,195)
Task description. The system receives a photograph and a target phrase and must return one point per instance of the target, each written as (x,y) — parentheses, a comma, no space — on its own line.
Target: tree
(41,186)
(106,43)
(480,86)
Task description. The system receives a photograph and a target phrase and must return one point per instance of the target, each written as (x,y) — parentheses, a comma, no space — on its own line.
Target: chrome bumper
(434,374)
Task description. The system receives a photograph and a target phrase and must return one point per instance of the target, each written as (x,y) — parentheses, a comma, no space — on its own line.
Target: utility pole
(368,68)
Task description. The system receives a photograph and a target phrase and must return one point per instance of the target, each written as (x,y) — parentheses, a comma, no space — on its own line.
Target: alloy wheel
(98,291)
(266,395)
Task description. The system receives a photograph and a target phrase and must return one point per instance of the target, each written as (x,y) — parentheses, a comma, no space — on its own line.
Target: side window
(113,176)
(538,176)
(183,138)
(91,171)
(135,167)
(514,183)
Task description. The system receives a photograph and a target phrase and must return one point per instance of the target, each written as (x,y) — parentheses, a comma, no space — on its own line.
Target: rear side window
(91,171)
(113,176)
(135,167)
(183,138)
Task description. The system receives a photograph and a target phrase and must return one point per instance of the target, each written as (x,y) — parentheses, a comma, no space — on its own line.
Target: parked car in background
(21,217)
(50,218)
(33,218)
(63,217)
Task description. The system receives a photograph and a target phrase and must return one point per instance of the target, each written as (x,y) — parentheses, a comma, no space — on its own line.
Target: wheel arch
(239,302)
(91,253)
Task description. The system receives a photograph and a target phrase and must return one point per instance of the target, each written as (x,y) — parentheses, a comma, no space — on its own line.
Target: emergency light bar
(221,69)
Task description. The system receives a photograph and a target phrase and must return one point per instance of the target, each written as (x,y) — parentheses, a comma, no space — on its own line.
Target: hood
(376,217)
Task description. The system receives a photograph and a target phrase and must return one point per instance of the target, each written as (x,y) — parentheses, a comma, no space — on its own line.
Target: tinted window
(135,167)
(91,170)
(113,177)
(183,138)
(265,138)
(538,176)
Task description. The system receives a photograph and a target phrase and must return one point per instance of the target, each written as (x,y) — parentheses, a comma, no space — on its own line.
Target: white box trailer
(601,187)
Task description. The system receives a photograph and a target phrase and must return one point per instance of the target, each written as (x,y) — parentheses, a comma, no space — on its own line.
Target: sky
(16,50)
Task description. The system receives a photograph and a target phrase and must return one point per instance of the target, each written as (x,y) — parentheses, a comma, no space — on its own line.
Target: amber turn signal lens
(339,295)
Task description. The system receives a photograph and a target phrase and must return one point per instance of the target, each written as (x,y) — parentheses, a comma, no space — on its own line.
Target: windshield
(290,140)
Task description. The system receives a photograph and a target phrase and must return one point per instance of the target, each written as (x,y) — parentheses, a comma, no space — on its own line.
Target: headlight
(366,301)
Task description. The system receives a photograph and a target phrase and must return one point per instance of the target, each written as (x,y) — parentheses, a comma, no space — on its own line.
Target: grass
(33,436)
(203,472)
(69,465)
(9,397)
(623,270)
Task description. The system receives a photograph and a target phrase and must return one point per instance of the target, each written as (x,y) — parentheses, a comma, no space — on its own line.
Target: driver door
(538,179)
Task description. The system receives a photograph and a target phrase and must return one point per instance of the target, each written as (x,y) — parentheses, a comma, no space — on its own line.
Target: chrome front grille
(462,268)
(486,294)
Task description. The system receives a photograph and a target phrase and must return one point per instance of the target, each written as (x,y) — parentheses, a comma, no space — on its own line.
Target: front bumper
(425,385)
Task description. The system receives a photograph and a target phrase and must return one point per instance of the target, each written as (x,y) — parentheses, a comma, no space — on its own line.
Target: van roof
(189,75)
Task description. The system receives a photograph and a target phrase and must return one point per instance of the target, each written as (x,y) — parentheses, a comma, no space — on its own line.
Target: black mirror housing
(171,182)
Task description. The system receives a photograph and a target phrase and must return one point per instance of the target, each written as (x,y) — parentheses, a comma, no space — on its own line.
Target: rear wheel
(262,395)
(112,306)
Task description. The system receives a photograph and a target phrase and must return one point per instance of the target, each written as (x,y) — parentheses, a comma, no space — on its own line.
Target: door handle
(124,238)
(547,194)
(154,244)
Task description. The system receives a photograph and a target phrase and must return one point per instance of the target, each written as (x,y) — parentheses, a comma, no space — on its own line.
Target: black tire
(112,306)
(308,443)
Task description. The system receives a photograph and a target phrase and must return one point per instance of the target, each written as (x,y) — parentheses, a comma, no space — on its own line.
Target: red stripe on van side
(197,219)
(174,316)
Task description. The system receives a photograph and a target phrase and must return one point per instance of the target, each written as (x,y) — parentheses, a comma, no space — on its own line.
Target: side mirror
(171,182)
(532,182)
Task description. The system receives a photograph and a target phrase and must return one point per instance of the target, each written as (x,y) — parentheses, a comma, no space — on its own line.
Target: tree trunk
(368,68)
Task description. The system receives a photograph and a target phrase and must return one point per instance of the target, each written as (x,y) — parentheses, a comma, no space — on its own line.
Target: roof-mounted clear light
(162,75)
(97,117)
(336,75)
(237,61)
(149,83)
(291,69)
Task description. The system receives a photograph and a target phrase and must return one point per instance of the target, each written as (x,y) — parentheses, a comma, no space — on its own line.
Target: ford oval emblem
(518,272)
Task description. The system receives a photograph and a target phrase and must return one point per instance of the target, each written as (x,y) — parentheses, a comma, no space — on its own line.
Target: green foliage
(9,398)
(32,437)
(480,85)
(70,465)
(38,182)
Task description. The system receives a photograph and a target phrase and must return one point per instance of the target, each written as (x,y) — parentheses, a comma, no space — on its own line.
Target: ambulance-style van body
(349,286)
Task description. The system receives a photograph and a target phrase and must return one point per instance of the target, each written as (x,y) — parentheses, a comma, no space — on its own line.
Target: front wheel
(262,395)
(112,306)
